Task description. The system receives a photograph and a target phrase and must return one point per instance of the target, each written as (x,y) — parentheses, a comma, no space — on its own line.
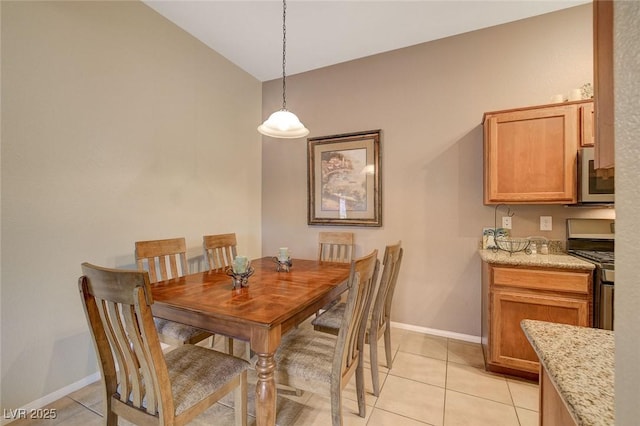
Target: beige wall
(428,100)
(117,126)
(627,129)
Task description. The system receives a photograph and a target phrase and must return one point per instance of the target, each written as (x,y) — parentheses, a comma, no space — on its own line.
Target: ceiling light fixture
(283,124)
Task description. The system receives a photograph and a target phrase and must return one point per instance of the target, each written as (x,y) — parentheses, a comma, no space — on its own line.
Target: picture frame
(344,178)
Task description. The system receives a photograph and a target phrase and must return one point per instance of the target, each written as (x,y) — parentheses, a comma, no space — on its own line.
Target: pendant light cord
(284,54)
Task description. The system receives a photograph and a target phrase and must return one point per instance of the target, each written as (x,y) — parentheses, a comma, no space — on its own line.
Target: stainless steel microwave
(592,188)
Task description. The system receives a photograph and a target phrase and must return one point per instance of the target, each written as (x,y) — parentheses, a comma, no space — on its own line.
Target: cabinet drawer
(571,282)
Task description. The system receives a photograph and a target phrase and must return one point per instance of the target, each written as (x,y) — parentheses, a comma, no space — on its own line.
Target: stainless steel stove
(594,240)
(602,257)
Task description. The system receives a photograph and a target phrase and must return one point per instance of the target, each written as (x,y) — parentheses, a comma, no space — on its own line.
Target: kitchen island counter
(579,362)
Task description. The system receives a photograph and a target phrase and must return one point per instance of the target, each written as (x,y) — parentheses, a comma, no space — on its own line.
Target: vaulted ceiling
(324,32)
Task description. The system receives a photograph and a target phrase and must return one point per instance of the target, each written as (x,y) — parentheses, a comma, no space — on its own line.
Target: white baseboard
(48,399)
(436,332)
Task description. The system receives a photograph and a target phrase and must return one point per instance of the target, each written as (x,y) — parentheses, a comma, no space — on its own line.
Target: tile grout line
(446,380)
(85,406)
(513,401)
(400,415)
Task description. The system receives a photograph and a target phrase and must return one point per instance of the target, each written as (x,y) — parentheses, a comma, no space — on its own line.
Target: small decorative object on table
(240,272)
(283,260)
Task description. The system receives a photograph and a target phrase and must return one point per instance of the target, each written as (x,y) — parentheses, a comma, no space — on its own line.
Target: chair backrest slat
(134,378)
(144,376)
(336,246)
(116,333)
(220,250)
(381,310)
(168,257)
(362,279)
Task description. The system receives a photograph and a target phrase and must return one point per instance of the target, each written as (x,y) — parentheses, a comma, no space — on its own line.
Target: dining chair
(165,259)
(140,383)
(220,250)
(324,363)
(336,247)
(379,321)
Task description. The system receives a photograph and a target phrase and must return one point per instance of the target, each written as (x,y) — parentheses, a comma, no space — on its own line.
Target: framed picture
(344,179)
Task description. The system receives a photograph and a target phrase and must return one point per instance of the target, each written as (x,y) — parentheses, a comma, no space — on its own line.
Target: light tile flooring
(434,381)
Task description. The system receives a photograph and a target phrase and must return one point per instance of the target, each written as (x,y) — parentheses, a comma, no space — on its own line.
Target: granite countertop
(558,260)
(580,361)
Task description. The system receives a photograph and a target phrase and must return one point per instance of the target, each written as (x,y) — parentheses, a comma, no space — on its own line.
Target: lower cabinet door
(509,346)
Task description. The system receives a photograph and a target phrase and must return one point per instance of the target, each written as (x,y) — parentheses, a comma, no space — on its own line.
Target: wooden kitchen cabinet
(530,154)
(587,125)
(514,293)
(603,86)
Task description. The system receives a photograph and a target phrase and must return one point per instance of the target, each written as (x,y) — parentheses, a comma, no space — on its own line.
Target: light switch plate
(546,223)
(506,222)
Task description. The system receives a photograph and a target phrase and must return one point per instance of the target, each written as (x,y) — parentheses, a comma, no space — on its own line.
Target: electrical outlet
(546,223)
(506,222)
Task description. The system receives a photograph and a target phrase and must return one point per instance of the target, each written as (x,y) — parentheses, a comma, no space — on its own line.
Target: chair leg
(336,408)
(373,358)
(387,346)
(111,418)
(362,406)
(240,401)
(229,345)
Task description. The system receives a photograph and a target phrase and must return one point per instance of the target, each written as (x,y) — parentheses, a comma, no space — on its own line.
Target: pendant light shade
(283,124)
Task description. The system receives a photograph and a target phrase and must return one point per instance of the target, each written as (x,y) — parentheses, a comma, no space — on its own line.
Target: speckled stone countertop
(559,260)
(580,361)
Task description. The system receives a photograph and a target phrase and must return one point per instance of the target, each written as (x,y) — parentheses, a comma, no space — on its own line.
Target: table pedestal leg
(266,390)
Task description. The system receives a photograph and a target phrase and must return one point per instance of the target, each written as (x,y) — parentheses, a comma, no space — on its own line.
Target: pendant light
(283,124)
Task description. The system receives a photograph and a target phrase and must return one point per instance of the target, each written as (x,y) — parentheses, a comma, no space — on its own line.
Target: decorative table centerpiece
(240,272)
(283,260)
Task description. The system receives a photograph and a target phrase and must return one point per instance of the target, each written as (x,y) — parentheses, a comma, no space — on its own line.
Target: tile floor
(434,381)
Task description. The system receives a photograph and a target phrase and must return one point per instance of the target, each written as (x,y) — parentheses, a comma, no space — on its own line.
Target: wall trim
(52,397)
(442,333)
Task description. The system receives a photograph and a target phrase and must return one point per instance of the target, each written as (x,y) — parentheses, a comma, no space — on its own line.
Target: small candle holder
(282,265)
(239,280)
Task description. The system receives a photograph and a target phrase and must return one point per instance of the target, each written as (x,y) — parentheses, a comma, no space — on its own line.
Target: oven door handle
(606,307)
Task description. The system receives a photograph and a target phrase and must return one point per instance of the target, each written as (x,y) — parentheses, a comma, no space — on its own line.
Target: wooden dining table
(272,303)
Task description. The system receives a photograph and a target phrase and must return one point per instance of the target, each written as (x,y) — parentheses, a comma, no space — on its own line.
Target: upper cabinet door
(530,155)
(587,124)
(603,83)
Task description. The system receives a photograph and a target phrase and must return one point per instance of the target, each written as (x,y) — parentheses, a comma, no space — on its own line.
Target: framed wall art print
(344,179)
